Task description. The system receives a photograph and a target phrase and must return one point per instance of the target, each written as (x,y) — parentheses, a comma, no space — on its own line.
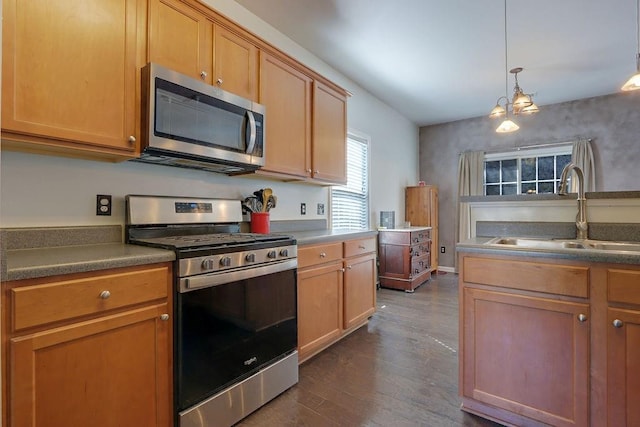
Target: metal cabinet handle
(316,171)
(164,316)
(582,317)
(617,323)
(361,247)
(308,170)
(105,294)
(132,139)
(219,82)
(323,255)
(349,267)
(203,75)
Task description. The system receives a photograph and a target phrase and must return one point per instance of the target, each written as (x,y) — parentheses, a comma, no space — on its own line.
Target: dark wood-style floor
(399,370)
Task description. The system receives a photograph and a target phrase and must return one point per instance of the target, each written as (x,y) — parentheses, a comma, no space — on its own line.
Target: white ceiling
(437,61)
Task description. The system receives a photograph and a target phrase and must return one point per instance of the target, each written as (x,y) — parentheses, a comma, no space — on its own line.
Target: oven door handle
(215,279)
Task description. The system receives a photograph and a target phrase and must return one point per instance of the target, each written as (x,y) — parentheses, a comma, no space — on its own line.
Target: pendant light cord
(637,34)
(506,75)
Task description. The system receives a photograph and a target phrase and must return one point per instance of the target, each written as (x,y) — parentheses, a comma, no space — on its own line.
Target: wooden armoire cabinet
(421,209)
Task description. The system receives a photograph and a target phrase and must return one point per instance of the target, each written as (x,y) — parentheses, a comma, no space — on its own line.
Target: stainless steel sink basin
(614,246)
(599,245)
(538,243)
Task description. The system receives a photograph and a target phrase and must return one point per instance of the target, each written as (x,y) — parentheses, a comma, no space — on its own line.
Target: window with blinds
(350,202)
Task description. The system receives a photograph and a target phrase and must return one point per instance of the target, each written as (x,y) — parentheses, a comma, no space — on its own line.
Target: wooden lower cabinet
(623,346)
(336,292)
(529,356)
(359,294)
(549,341)
(319,308)
(112,367)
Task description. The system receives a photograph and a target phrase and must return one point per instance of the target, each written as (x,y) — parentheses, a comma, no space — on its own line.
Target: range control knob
(225,261)
(208,264)
(272,254)
(250,257)
(284,252)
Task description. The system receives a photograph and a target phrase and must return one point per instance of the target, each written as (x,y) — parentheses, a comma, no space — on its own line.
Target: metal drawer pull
(349,267)
(203,75)
(582,317)
(164,316)
(105,294)
(323,255)
(361,247)
(617,323)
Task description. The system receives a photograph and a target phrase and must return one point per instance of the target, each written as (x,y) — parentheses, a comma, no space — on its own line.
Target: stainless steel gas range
(235,318)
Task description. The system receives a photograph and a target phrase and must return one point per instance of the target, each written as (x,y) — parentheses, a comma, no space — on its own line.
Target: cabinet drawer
(56,301)
(419,250)
(359,246)
(419,266)
(531,276)
(396,237)
(319,254)
(623,286)
(420,236)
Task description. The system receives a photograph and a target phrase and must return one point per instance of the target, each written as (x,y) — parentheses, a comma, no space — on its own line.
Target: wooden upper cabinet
(286,93)
(235,64)
(69,75)
(329,140)
(190,42)
(180,38)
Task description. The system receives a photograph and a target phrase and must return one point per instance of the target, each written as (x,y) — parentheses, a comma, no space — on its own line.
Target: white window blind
(350,202)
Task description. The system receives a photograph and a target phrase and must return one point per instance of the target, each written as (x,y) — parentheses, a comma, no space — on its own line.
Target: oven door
(229,331)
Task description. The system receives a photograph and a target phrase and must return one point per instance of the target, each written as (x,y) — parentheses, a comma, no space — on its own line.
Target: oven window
(228,332)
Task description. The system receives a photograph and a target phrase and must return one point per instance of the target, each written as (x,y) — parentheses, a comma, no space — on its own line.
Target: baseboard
(446,269)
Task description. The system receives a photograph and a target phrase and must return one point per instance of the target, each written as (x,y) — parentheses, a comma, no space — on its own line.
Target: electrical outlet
(442,249)
(320,208)
(303,208)
(103,204)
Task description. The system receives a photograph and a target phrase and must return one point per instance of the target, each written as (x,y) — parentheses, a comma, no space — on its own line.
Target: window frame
(361,138)
(518,155)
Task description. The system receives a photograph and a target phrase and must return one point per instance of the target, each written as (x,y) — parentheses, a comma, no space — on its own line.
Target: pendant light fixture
(521,103)
(634,82)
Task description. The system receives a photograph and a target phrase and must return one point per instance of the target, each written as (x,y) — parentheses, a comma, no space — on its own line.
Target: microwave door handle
(252,134)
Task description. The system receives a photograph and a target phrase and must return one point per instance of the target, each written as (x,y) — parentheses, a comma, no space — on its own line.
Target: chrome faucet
(581,218)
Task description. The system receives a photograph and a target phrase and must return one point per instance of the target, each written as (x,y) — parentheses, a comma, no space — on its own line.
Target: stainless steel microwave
(191,124)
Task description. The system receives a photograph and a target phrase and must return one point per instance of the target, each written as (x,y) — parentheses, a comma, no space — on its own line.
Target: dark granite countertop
(571,196)
(43,262)
(310,237)
(481,245)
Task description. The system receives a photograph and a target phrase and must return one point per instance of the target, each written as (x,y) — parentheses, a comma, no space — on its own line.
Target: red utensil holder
(260,222)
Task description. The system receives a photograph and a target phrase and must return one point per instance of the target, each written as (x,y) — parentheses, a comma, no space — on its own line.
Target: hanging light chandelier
(520,103)
(634,82)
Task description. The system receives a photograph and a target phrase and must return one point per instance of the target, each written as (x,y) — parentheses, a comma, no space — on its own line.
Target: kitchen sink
(533,243)
(538,243)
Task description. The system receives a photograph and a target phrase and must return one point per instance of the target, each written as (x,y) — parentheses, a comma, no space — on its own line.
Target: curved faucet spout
(581,218)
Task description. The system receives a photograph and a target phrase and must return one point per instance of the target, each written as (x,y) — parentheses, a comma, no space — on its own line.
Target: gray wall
(612,122)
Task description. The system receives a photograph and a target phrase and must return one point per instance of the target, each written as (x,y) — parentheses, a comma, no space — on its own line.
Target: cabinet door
(286,93)
(107,372)
(329,139)
(180,38)
(359,289)
(526,355)
(421,208)
(235,64)
(319,308)
(69,74)
(623,358)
